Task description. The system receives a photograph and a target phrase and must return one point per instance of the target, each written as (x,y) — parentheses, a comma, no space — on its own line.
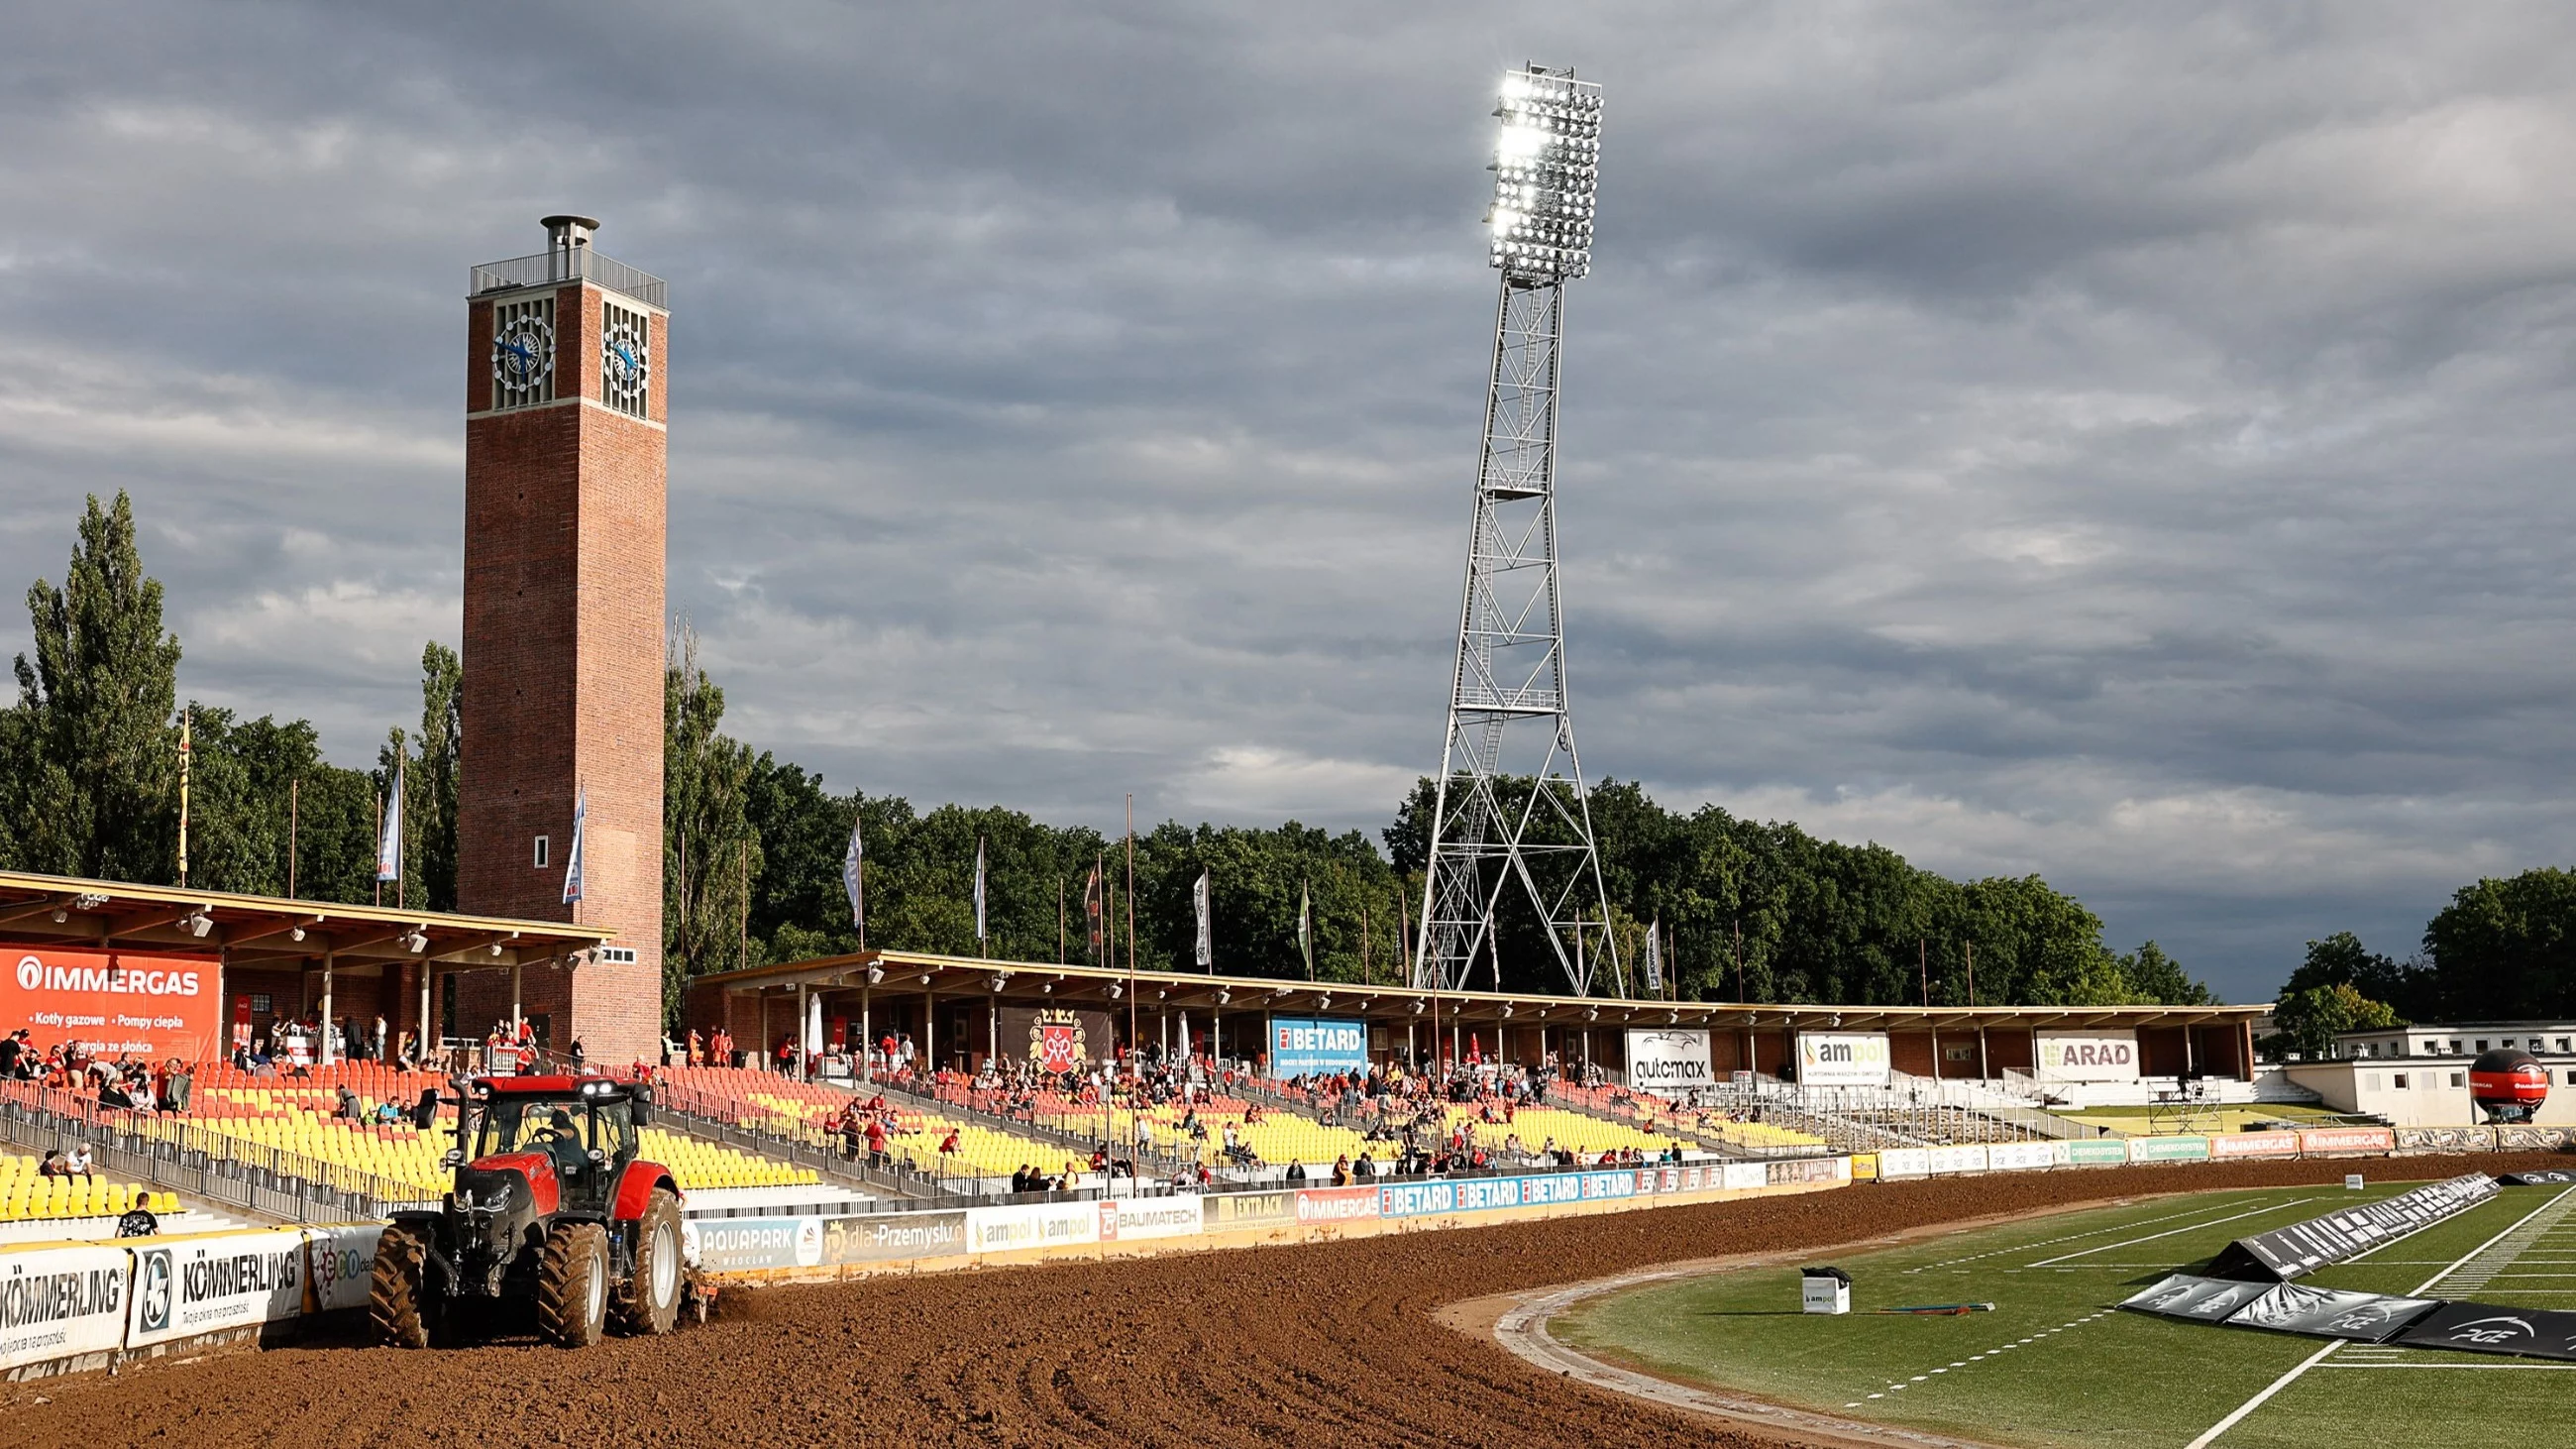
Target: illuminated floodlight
(1547,169)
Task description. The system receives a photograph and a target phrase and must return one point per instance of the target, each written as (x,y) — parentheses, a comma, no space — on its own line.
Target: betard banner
(1842,1059)
(1669,1063)
(112,1002)
(2087,1056)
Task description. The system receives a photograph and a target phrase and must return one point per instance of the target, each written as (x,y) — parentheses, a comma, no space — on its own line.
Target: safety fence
(1891,1163)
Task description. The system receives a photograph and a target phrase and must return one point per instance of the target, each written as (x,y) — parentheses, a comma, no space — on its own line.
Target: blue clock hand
(629,358)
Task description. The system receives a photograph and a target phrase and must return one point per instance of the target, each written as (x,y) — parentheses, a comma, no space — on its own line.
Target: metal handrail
(567,264)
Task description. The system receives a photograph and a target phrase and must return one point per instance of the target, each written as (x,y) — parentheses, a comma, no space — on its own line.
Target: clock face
(625,362)
(523,354)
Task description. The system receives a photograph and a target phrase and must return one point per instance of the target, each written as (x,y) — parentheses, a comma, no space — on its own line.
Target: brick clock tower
(565,479)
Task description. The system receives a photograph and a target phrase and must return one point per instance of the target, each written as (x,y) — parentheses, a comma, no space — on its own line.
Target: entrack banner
(1302,1046)
(1230,1211)
(1669,1063)
(2086,1056)
(187,1286)
(61,1302)
(1842,1059)
(115,1003)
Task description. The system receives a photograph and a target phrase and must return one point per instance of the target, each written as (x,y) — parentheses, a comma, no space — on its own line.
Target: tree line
(2501,950)
(753,847)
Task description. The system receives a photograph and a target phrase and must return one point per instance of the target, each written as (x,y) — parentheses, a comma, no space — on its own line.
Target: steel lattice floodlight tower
(1508,719)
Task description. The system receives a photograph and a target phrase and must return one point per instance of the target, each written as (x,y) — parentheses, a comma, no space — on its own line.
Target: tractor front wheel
(398,1306)
(572,1284)
(650,1301)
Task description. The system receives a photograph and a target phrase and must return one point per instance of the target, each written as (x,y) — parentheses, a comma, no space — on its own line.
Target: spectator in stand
(424,1113)
(1297,1172)
(876,1142)
(948,1144)
(76,1162)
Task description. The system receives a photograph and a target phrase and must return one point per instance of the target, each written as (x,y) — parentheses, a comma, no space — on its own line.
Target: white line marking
(2210,1435)
(2170,1232)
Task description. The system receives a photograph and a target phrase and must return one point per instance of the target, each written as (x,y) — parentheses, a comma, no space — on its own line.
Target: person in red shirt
(948,1144)
(876,1141)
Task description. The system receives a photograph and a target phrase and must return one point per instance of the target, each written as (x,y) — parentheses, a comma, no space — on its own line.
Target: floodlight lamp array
(1547,169)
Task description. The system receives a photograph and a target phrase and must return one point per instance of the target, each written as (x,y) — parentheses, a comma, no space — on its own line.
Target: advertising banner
(1842,1059)
(2446,1139)
(57,1302)
(1230,1211)
(1864,1166)
(2328,1141)
(116,1003)
(1958,1157)
(2254,1144)
(1904,1162)
(1781,1171)
(1302,1046)
(1038,1225)
(2020,1156)
(893,1237)
(1132,1219)
(2488,1328)
(1744,1176)
(187,1286)
(337,1262)
(1669,1063)
(2168,1149)
(1054,1038)
(2301,1248)
(2331,1313)
(729,1244)
(1336,1204)
(2086,1056)
(2181,1295)
(2544,1177)
(2095,1152)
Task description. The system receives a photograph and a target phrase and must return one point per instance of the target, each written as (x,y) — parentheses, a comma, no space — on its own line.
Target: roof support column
(328,1054)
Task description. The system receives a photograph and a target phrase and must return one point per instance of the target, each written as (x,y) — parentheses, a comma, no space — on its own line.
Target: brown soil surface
(1330,1343)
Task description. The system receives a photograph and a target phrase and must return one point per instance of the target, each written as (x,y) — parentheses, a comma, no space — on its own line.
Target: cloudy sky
(2124,443)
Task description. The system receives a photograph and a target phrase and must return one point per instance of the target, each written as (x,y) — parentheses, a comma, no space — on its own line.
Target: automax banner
(728,1244)
(59,1302)
(1669,1063)
(115,1002)
(1306,1045)
(187,1286)
(891,1237)
(2087,1056)
(1842,1059)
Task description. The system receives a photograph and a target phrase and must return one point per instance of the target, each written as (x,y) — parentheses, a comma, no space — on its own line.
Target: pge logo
(31,973)
(2491,1331)
(157,1290)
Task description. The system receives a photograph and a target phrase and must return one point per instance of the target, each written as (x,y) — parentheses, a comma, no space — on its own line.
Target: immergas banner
(2087,1056)
(58,1302)
(115,1003)
(1842,1059)
(1303,1046)
(1669,1063)
(187,1286)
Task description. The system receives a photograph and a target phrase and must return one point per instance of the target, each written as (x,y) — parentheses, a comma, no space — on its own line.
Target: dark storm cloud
(2124,444)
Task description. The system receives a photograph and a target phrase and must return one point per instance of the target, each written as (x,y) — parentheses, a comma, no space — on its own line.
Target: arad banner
(1669,1063)
(2086,1056)
(116,1003)
(1302,1046)
(1842,1059)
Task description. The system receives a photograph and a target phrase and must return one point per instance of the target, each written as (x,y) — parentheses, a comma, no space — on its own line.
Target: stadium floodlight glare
(1547,169)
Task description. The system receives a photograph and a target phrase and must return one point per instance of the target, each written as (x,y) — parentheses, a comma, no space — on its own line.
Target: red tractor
(553,1208)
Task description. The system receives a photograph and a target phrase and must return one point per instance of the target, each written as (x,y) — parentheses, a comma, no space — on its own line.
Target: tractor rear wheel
(649,1302)
(398,1307)
(572,1284)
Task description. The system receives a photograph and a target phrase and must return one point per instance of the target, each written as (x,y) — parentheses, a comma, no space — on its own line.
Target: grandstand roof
(1047,983)
(69,913)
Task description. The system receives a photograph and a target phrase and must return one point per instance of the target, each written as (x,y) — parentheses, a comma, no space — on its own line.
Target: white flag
(389,851)
(1655,958)
(1207,938)
(572,857)
(850,860)
(979,891)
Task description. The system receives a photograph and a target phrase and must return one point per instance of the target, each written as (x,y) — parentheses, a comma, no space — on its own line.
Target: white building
(2418,1076)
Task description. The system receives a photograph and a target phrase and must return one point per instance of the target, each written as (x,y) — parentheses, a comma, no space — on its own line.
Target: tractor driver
(562,1139)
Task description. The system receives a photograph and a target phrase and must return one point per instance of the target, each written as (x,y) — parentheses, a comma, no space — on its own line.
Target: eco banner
(61,1302)
(338,1261)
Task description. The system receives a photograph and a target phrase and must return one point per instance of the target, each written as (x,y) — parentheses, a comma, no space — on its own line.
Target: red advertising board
(2254,1144)
(115,1003)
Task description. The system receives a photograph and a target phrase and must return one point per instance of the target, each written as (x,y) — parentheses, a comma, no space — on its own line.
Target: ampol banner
(1306,1045)
(2087,1056)
(1842,1059)
(58,1302)
(1669,1063)
(114,1002)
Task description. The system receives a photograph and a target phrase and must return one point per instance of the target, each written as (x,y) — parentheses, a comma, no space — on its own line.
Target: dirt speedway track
(1331,1343)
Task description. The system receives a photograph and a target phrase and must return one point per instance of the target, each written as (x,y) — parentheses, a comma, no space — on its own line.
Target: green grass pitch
(2056,1364)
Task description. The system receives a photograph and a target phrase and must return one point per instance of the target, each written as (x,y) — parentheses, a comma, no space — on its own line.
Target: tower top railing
(570,264)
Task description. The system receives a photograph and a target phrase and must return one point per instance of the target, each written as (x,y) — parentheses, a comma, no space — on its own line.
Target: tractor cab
(580,1133)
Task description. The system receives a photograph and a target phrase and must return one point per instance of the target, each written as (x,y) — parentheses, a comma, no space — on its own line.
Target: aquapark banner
(115,1003)
(1669,1063)
(1304,1046)
(2087,1056)
(1842,1059)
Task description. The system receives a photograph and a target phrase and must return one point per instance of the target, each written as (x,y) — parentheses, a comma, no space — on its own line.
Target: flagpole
(380,849)
(294,804)
(1131,888)
(1059,920)
(186,718)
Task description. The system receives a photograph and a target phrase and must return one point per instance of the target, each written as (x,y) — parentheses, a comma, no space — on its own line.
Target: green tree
(2504,950)
(90,777)
(2309,1020)
(709,852)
